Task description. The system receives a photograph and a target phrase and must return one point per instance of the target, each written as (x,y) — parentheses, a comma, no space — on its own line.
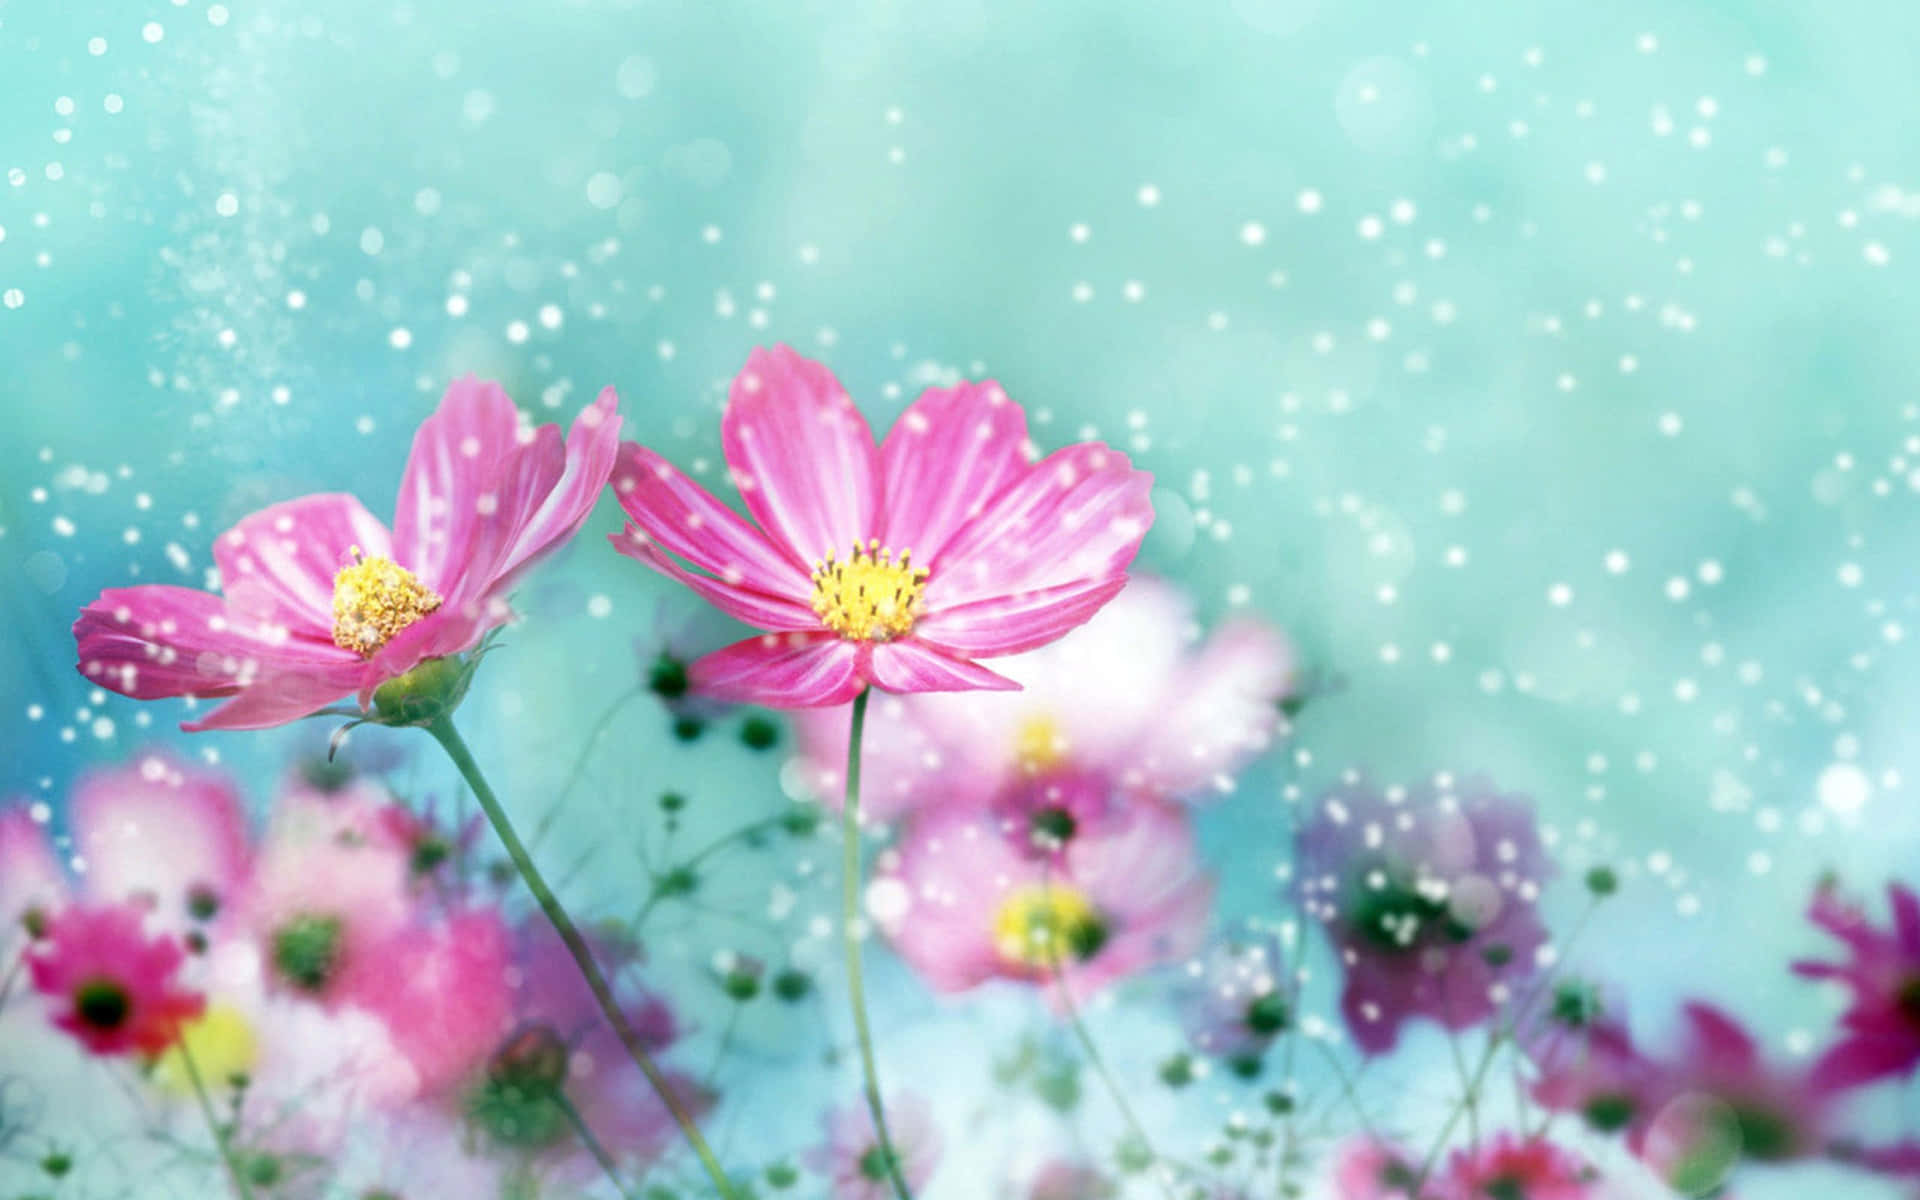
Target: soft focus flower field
(1248,602)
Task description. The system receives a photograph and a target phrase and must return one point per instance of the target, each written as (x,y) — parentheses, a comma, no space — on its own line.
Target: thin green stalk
(851,879)
(1099,1064)
(594,1147)
(450,740)
(219,1131)
(1470,1097)
(579,767)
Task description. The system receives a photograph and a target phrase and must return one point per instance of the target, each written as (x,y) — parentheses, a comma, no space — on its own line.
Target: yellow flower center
(1039,744)
(1047,926)
(223,1046)
(373,600)
(870,597)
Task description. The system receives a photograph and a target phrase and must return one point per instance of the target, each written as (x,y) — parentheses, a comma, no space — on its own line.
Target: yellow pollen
(223,1046)
(1039,744)
(870,597)
(1047,926)
(373,600)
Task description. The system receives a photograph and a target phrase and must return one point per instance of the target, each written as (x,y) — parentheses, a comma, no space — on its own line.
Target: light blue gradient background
(892,187)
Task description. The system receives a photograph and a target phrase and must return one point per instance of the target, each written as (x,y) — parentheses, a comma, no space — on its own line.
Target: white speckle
(1843,788)
(604,189)
(400,338)
(1253,233)
(1148,195)
(1309,201)
(599,605)
(152,32)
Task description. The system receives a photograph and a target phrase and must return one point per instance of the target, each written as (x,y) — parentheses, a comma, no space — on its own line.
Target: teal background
(1581,279)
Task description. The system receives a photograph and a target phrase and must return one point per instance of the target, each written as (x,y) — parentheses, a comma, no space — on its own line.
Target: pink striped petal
(163,830)
(801,455)
(909,667)
(1079,514)
(591,446)
(948,455)
(790,670)
(287,696)
(684,519)
(1016,623)
(154,641)
(741,603)
(278,564)
(474,475)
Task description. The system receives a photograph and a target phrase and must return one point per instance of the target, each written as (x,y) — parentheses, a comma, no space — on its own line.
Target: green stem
(1099,1064)
(851,881)
(449,739)
(219,1131)
(592,1143)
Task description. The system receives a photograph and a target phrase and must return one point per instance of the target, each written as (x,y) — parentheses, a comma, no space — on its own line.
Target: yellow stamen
(1039,744)
(870,597)
(373,600)
(1047,926)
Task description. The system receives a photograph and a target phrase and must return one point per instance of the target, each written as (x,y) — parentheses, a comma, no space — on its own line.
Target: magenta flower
(1126,704)
(441,990)
(109,983)
(321,600)
(1883,1022)
(1592,1069)
(165,832)
(1718,1091)
(963,906)
(1369,1169)
(31,882)
(1430,898)
(896,565)
(1515,1168)
(855,1164)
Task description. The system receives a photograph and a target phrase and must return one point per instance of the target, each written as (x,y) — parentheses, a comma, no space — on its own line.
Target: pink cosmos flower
(1515,1168)
(1430,898)
(111,984)
(896,565)
(1369,1169)
(1596,1072)
(1127,704)
(1883,1023)
(1718,1090)
(321,600)
(442,991)
(166,832)
(963,906)
(853,1161)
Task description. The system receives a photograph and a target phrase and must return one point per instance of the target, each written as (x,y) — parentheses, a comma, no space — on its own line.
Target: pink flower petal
(756,608)
(1224,708)
(163,830)
(682,518)
(277,565)
(1019,622)
(474,476)
(276,699)
(790,670)
(1079,514)
(154,641)
(591,446)
(1718,1038)
(909,667)
(30,876)
(951,452)
(1859,1061)
(1906,916)
(801,455)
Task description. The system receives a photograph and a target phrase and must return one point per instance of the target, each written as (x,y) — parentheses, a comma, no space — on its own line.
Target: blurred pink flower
(327,897)
(1063,1179)
(963,906)
(164,831)
(1430,897)
(1511,1167)
(854,1164)
(1233,999)
(1718,1091)
(322,601)
(893,566)
(1596,1073)
(1129,703)
(1883,973)
(109,983)
(32,884)
(442,990)
(1369,1169)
